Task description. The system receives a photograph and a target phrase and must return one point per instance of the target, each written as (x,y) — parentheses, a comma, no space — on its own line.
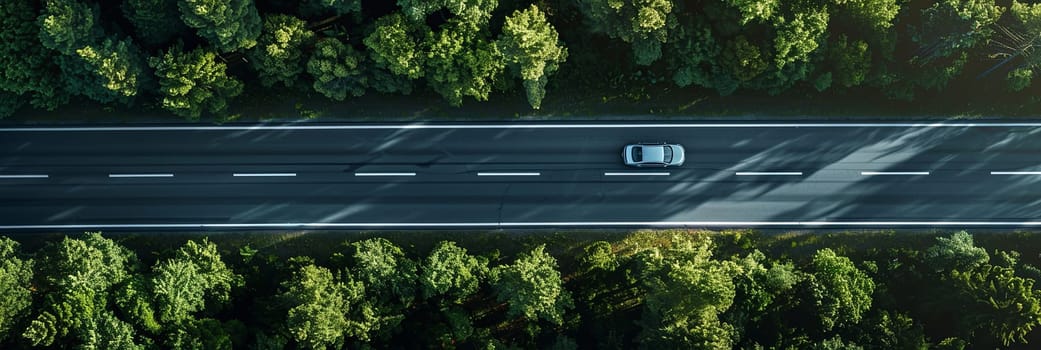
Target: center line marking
(894,173)
(757,173)
(384,174)
(262,174)
(140,175)
(24,176)
(636,174)
(1015,173)
(509,174)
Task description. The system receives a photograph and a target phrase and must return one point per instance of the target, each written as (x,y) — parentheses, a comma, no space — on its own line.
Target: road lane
(471,176)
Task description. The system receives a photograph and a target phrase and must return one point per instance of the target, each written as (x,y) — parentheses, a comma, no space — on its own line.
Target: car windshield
(668,154)
(637,154)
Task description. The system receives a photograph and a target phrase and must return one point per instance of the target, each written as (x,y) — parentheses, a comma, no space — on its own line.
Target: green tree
(184,283)
(16,274)
(836,343)
(949,29)
(317,308)
(758,286)
(42,330)
(841,291)
(743,59)
(754,10)
(113,71)
(599,255)
(451,272)
(645,24)
(68,25)
(473,11)
(154,21)
(850,61)
(531,287)
(338,7)
(228,25)
(417,10)
(134,298)
(106,71)
(278,56)
(694,56)
(10,103)
(1018,42)
(337,70)
(950,26)
(1007,307)
(193,82)
(799,37)
(202,334)
(396,45)
(957,252)
(462,62)
(892,330)
(686,292)
(111,333)
(532,50)
(873,14)
(1019,79)
(385,271)
(76,277)
(26,67)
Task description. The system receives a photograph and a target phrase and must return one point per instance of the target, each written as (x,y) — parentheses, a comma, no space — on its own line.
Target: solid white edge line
(870,173)
(1015,173)
(531,224)
(139,175)
(521,126)
(24,176)
(758,173)
(509,174)
(384,174)
(262,174)
(636,174)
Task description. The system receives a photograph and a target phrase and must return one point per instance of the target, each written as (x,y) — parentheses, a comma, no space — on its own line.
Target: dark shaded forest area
(678,289)
(193,58)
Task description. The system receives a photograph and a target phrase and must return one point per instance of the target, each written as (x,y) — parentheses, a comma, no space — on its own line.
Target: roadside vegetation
(204,58)
(673,289)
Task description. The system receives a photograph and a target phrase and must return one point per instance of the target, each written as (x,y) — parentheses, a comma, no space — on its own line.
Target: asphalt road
(518,175)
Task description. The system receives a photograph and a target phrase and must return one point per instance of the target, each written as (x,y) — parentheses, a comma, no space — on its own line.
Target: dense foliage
(474,49)
(652,289)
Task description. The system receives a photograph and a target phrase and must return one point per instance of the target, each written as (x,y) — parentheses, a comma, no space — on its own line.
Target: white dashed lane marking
(262,174)
(24,176)
(873,173)
(1015,173)
(384,174)
(768,173)
(509,174)
(637,174)
(139,175)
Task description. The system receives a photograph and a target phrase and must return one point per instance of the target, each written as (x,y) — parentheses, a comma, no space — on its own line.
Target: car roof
(653,154)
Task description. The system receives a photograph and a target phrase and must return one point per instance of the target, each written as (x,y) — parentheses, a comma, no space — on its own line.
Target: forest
(671,289)
(194,58)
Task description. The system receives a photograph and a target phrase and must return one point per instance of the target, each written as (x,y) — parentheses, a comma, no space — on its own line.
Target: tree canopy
(449,271)
(228,25)
(279,54)
(533,51)
(191,83)
(531,287)
(841,291)
(462,62)
(337,70)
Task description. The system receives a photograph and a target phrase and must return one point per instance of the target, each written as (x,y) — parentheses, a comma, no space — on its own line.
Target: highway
(519,175)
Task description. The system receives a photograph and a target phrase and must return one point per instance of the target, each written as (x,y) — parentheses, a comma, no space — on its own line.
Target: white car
(650,155)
